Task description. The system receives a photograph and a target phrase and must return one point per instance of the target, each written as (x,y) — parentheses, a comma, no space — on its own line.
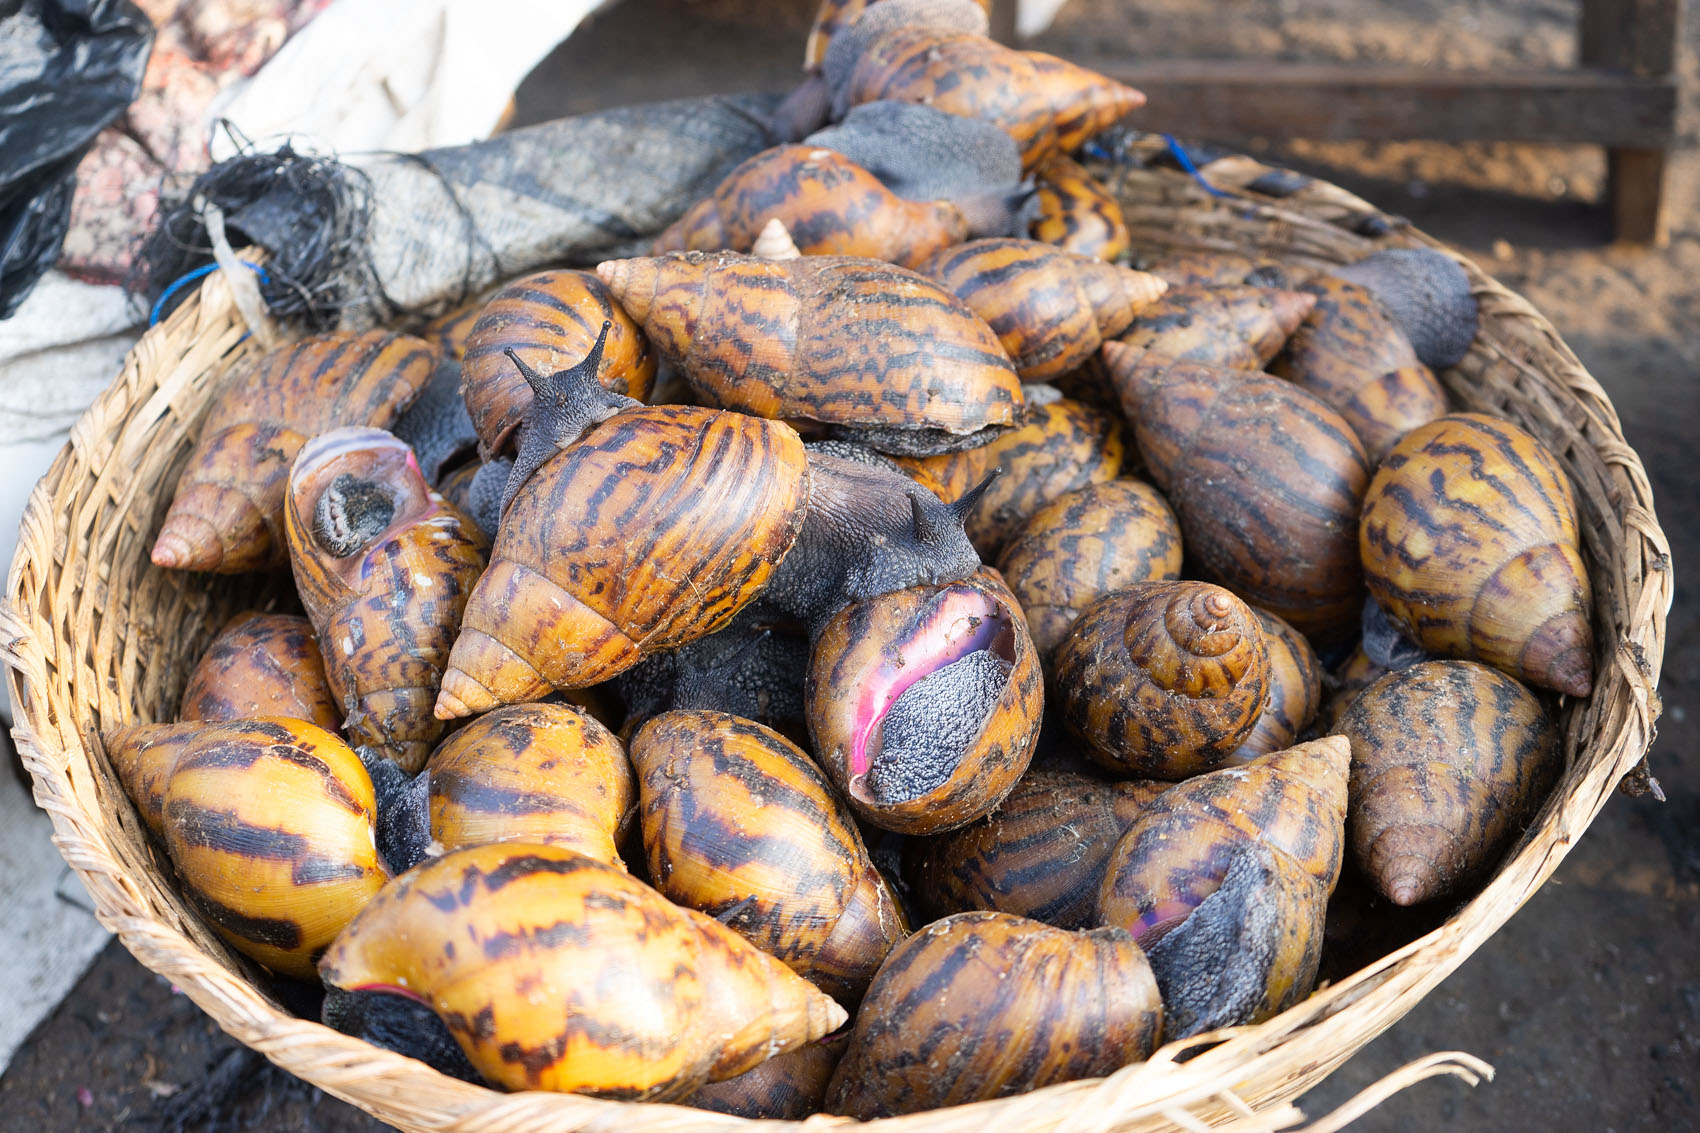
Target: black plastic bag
(67,69)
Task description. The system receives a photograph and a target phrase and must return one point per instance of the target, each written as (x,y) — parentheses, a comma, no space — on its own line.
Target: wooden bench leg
(1636,193)
(1639,37)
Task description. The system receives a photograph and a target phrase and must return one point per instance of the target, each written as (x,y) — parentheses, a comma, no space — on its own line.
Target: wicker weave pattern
(95,635)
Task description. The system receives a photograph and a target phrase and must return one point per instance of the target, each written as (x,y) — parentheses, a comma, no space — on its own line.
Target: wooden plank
(1232,100)
(1639,37)
(1635,180)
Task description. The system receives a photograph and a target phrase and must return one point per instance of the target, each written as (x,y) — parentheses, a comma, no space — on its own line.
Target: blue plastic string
(181,281)
(1185,159)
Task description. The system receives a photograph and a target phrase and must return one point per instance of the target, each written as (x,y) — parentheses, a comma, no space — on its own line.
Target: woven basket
(97,635)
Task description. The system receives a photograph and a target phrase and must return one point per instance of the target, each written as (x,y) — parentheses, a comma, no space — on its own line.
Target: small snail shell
(1272,515)
(1469,544)
(1449,760)
(384,566)
(499,939)
(1201,269)
(834,16)
(1163,679)
(269,824)
(1356,673)
(1050,309)
(651,531)
(1041,854)
(1179,847)
(1351,353)
(830,205)
(547,773)
(227,515)
(1076,212)
(788,1087)
(984,1005)
(740,824)
(774,242)
(829,339)
(925,704)
(1083,545)
(1057,447)
(262,665)
(550,319)
(1295,690)
(1240,328)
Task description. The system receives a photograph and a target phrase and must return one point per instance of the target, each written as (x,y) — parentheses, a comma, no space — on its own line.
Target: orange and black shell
(387,613)
(984,1005)
(1266,480)
(830,339)
(830,206)
(554,971)
(227,515)
(1240,328)
(1353,354)
(1196,268)
(1162,680)
(834,16)
(651,531)
(1356,673)
(1076,212)
(1084,544)
(1046,104)
(1295,690)
(551,319)
(740,824)
(1041,854)
(270,825)
(449,331)
(1469,543)
(262,665)
(1450,760)
(1179,847)
(1050,309)
(1057,447)
(869,651)
(546,773)
(788,1087)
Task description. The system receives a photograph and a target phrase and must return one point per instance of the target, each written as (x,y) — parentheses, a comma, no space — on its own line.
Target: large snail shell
(269,824)
(651,531)
(1083,545)
(1041,854)
(925,704)
(550,319)
(1180,846)
(1051,309)
(834,16)
(1449,761)
(787,1087)
(1076,212)
(384,566)
(227,515)
(557,972)
(984,1005)
(546,773)
(1046,104)
(1266,480)
(1469,544)
(1163,679)
(1295,690)
(1351,353)
(1240,328)
(262,665)
(1198,269)
(830,205)
(740,824)
(1058,446)
(823,338)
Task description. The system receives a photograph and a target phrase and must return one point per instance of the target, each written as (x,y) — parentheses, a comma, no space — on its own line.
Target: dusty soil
(1588,1002)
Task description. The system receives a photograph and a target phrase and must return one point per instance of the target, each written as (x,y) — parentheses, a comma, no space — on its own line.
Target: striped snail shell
(984,1005)
(1349,678)
(1450,759)
(1083,545)
(227,515)
(384,566)
(830,339)
(1295,690)
(1208,269)
(1050,309)
(1074,211)
(499,939)
(1240,328)
(740,824)
(1163,680)
(833,16)
(269,823)
(1470,545)
(787,1087)
(1040,855)
(262,665)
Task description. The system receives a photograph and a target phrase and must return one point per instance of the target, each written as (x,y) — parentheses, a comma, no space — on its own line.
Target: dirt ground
(1588,1002)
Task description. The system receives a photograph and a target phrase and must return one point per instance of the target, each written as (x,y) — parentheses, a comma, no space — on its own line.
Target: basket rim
(1295,1045)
